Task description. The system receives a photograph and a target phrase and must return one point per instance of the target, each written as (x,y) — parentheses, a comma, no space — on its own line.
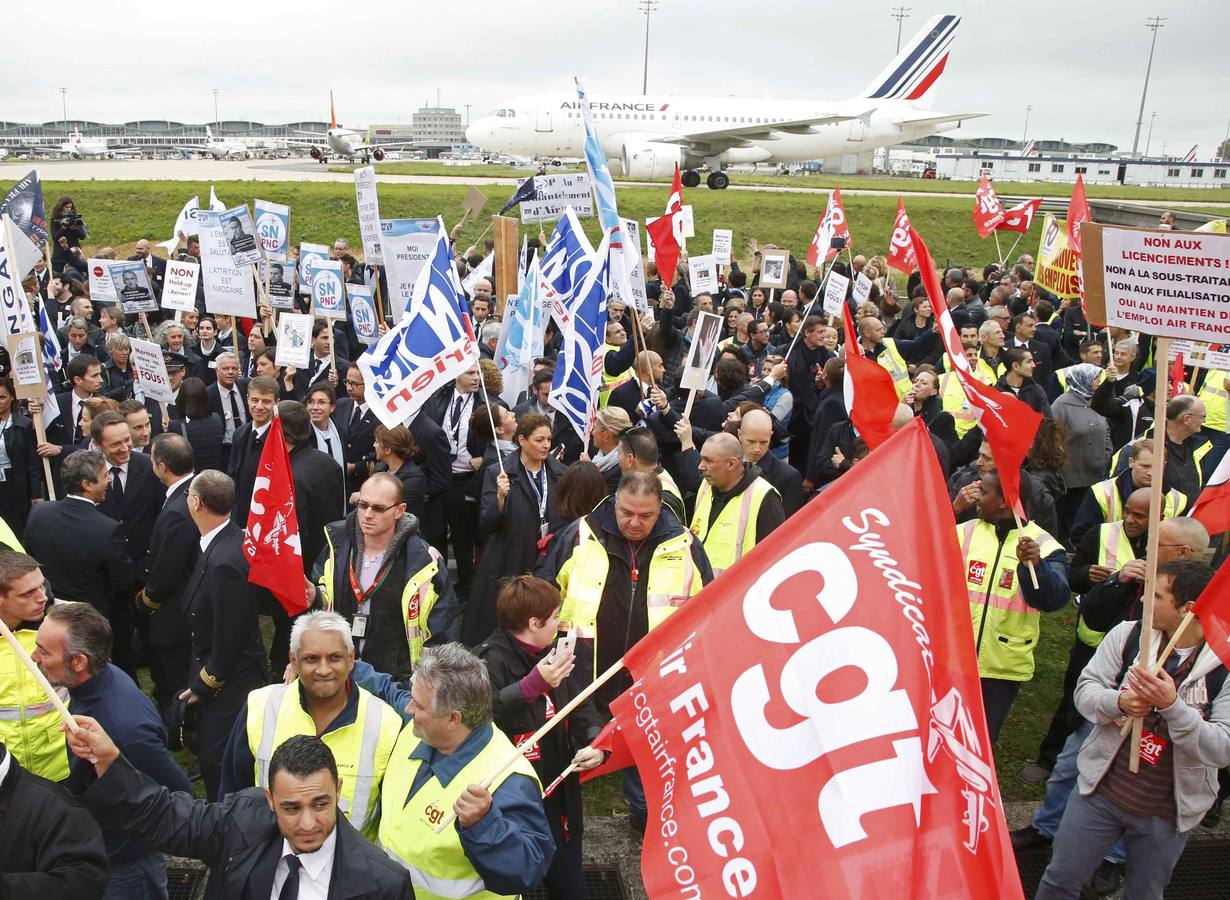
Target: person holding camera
(67,232)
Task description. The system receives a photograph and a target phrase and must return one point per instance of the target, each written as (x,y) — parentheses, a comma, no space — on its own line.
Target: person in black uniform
(221,605)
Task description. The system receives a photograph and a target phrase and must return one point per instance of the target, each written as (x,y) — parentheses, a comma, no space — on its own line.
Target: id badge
(1151,747)
(358,627)
(542,530)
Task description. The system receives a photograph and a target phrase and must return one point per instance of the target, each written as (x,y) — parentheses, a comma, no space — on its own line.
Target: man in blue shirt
(74,651)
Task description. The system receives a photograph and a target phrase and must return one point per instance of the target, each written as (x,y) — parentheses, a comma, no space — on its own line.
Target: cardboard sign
(329,290)
(555,193)
(507,257)
(131,284)
(101,288)
(862,288)
(150,371)
(1165,283)
(703,350)
(407,244)
(723,239)
(835,293)
(702,274)
(281,284)
(474,202)
(636,268)
(309,255)
(179,286)
(1198,353)
(687,226)
(773,268)
(479,272)
(1057,263)
(363,313)
(26,358)
(240,235)
(369,214)
(228,290)
(294,347)
(273,228)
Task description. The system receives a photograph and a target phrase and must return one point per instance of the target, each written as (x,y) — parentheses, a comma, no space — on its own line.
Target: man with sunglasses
(390,584)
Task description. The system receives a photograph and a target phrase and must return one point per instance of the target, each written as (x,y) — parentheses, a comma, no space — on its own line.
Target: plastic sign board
(273,229)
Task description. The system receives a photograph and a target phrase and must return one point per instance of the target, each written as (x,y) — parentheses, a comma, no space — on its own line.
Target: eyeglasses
(364,506)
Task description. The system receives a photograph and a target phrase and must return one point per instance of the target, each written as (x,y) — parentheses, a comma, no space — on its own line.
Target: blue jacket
(129,716)
(511,846)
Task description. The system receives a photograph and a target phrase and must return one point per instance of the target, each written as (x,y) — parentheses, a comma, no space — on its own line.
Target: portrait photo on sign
(240,236)
(704,349)
(131,283)
(282,284)
(773,268)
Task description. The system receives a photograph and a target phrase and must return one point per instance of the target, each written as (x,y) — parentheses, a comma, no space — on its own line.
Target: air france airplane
(646,137)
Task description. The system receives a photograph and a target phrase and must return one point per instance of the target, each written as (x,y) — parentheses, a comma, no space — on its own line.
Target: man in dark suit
(228,397)
(1024,335)
(173,552)
(155,266)
(318,368)
(248,443)
(221,606)
(252,841)
(84,377)
(437,464)
(82,551)
(356,423)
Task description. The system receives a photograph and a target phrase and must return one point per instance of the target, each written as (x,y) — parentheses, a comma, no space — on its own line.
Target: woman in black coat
(202,427)
(23,469)
(527,676)
(67,232)
(394,449)
(117,372)
(516,510)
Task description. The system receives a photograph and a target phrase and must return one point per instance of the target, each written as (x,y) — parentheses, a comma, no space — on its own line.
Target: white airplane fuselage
(78,148)
(342,142)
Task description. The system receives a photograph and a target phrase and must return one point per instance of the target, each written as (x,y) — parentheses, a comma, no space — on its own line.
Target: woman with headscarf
(1089,445)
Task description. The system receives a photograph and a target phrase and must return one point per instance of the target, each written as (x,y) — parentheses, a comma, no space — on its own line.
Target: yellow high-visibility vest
(1114,549)
(29,723)
(733,533)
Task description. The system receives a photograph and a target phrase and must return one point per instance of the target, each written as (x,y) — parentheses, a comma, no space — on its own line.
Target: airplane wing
(941,119)
(711,142)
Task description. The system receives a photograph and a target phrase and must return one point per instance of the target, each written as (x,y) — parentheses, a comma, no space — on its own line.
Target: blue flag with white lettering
(563,265)
(578,370)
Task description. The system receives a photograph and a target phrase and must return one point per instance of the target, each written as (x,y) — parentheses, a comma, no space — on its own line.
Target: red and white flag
(900,248)
(1212,507)
(271,540)
(988,211)
(1212,608)
(611,740)
(1009,424)
(819,706)
(1021,216)
(871,397)
(1078,214)
(1177,376)
(832,224)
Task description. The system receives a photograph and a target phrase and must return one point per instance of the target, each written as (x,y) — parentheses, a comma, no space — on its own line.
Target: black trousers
(214,721)
(462,518)
(565,879)
(169,668)
(1066,716)
(997,698)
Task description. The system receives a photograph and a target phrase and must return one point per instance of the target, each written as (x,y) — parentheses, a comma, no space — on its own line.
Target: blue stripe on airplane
(942,31)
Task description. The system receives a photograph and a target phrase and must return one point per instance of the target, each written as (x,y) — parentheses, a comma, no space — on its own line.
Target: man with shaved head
(644,388)
(736,506)
(755,435)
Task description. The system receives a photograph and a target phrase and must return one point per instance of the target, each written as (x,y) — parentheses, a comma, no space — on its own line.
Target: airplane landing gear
(690,178)
(718,181)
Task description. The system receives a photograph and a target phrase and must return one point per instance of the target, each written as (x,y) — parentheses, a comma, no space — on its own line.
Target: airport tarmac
(308,170)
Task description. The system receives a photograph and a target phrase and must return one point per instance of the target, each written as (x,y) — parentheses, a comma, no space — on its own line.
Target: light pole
(1025,133)
(217,121)
(900,13)
(1149,139)
(467,106)
(1154,24)
(646,6)
(64,107)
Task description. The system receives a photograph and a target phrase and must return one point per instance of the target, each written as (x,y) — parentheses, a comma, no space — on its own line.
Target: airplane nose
(476,132)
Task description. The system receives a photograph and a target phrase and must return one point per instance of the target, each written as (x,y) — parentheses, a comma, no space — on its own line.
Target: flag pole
(1013,247)
(379,304)
(482,383)
(572,767)
(807,312)
(34,670)
(1161,661)
(998,251)
(1033,573)
(529,742)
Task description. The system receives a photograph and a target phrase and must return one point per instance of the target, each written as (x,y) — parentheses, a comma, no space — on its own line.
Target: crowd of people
(460,546)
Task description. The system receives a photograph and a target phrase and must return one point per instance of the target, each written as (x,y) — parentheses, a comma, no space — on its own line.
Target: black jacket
(215,401)
(1030,393)
(786,479)
(82,552)
(117,383)
(358,440)
(138,509)
(173,551)
(205,435)
(50,846)
(25,475)
(246,447)
(319,498)
(304,379)
(237,838)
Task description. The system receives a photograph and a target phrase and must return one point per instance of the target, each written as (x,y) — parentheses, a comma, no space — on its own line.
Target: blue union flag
(574,389)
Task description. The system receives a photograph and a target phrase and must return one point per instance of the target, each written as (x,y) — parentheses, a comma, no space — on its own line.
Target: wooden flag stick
(1161,660)
(687,409)
(1145,660)
(149,332)
(572,767)
(482,383)
(1012,249)
(1033,573)
(529,742)
(379,305)
(34,670)
(40,431)
(998,252)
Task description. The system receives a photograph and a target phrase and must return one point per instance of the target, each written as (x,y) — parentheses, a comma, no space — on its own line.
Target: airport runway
(309,170)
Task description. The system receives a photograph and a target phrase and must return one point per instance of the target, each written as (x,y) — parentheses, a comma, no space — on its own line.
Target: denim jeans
(141,879)
(1059,788)
(634,793)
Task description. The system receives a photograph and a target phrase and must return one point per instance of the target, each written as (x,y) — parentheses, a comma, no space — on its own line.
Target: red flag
(1021,216)
(674,203)
(900,250)
(820,703)
(832,224)
(1078,212)
(871,397)
(665,247)
(610,739)
(1212,607)
(1178,376)
(988,211)
(1009,424)
(271,541)
(1212,507)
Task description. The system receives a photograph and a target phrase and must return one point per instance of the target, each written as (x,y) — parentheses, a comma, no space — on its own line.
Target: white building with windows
(1063,169)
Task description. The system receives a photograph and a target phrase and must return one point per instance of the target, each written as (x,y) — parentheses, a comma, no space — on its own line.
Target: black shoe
(1107,878)
(1028,837)
(1213,816)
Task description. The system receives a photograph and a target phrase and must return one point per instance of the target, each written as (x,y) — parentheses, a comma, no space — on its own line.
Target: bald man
(736,508)
(755,435)
(155,266)
(645,386)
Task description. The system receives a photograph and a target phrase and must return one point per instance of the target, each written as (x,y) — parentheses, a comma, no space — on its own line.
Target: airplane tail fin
(332,114)
(919,65)
(209,133)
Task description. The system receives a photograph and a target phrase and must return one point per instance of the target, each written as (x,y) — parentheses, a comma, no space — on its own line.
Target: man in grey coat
(1186,739)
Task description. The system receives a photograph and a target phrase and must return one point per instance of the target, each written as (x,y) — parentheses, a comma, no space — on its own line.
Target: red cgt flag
(832,224)
(1212,507)
(1178,376)
(900,250)
(1009,424)
(271,540)
(871,398)
(1078,213)
(610,739)
(1021,216)
(1213,609)
(818,709)
(988,211)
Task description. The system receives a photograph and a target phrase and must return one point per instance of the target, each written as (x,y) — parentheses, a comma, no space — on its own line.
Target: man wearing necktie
(321,403)
(84,374)
(357,423)
(319,369)
(286,842)
(228,398)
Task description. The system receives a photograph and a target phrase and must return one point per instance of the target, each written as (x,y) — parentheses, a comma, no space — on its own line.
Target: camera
(70,220)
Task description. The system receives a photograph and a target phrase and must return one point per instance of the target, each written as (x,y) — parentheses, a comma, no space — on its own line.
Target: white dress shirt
(208,537)
(172,488)
(228,418)
(315,872)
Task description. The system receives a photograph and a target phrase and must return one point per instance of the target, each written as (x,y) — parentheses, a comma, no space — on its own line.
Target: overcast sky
(1080,65)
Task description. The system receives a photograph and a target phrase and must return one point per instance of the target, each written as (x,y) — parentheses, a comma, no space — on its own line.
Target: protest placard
(702,352)
(862,288)
(26,357)
(368,206)
(240,236)
(99,274)
(273,228)
(363,313)
(1056,269)
(281,284)
(687,222)
(723,239)
(406,244)
(473,204)
(131,283)
(294,347)
(702,274)
(309,254)
(636,267)
(329,290)
(507,257)
(554,194)
(835,293)
(179,285)
(479,272)
(773,268)
(1198,353)
(150,371)
(650,250)
(228,290)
